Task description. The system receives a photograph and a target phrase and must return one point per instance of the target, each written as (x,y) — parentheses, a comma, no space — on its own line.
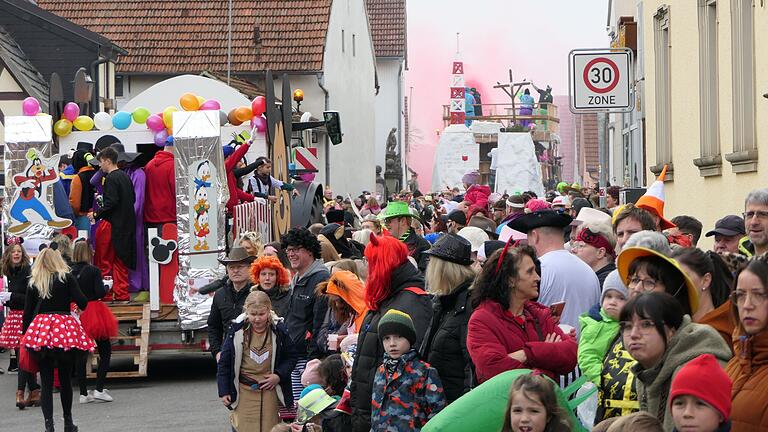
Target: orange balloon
(243,113)
(232,117)
(189,102)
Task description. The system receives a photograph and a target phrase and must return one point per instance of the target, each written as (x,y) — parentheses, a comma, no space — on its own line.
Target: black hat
(237,255)
(105,141)
(335,216)
(122,155)
(82,145)
(458,216)
(453,248)
(490,247)
(580,203)
(730,225)
(542,218)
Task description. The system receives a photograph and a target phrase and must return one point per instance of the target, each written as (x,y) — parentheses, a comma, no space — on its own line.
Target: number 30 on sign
(601,80)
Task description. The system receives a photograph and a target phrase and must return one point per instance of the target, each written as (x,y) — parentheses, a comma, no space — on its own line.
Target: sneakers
(87,398)
(13,371)
(102,396)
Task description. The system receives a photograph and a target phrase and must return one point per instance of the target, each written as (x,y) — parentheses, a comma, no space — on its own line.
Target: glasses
(756,298)
(644,327)
(647,284)
(292,250)
(761,214)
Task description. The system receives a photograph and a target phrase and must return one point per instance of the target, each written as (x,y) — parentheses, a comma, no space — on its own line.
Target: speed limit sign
(601,80)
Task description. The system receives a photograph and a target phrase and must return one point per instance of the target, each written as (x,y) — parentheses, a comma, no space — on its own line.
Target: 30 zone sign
(600,80)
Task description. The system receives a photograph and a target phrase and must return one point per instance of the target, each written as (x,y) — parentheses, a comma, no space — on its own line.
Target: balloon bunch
(254,113)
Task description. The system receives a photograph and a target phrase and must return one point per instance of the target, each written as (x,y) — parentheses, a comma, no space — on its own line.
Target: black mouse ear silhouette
(172,245)
(155,241)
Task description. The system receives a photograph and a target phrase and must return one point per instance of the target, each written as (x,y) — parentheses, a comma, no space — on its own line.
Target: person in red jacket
(507,330)
(160,199)
(236,195)
(476,195)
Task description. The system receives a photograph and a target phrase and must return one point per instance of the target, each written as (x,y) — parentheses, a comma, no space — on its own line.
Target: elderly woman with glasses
(749,367)
(508,330)
(662,339)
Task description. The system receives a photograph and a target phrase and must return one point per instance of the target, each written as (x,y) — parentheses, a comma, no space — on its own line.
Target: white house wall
(388,104)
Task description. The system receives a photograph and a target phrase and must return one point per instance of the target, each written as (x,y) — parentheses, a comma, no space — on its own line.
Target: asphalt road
(178,395)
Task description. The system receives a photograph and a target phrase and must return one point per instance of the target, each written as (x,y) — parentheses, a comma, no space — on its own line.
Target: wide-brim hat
(485,224)
(453,248)
(628,255)
(395,209)
(541,218)
(237,255)
(122,155)
(591,215)
(475,236)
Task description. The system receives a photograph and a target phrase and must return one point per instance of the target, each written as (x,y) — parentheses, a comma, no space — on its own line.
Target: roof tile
(388,27)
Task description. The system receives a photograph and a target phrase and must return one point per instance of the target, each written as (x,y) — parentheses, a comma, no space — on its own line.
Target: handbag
(27,360)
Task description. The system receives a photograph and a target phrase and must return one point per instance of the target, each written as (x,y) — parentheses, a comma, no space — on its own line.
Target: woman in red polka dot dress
(51,332)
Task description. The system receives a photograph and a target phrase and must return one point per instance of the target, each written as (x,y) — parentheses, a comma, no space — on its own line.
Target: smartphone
(556,309)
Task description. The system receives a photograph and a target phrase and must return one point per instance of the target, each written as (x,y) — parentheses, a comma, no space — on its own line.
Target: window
(119,82)
(710,162)
(744,156)
(663,100)
(353,45)
(342,40)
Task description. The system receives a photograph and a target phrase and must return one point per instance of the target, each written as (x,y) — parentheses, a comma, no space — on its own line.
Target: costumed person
(476,194)
(263,185)
(254,371)
(116,234)
(270,276)
(46,315)
(97,320)
(335,234)
(398,218)
(526,107)
(393,283)
(15,266)
(81,193)
(252,243)
(66,171)
(653,202)
(469,108)
(236,195)
(160,199)
(346,303)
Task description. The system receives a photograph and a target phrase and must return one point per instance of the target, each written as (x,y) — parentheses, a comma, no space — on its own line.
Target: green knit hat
(399,323)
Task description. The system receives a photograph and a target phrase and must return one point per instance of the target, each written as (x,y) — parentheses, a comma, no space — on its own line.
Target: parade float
(183,257)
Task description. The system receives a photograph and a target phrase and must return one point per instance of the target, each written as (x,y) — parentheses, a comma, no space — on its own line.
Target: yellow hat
(628,255)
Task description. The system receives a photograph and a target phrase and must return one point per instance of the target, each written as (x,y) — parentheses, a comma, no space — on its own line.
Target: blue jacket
(284,357)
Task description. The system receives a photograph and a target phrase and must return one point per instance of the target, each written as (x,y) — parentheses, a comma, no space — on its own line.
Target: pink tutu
(56,331)
(10,336)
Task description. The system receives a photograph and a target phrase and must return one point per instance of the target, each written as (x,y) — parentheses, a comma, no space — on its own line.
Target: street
(179,395)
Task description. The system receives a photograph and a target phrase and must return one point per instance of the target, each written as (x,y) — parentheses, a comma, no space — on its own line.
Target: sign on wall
(600,80)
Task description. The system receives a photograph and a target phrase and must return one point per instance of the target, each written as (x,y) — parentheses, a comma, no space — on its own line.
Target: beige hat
(475,236)
(590,215)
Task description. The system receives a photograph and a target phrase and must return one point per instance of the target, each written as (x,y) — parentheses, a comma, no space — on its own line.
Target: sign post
(600,80)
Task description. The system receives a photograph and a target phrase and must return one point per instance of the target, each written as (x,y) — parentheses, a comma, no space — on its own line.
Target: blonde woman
(252,243)
(254,371)
(449,276)
(47,319)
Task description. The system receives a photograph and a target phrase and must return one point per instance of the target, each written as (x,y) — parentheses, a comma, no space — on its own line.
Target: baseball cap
(730,225)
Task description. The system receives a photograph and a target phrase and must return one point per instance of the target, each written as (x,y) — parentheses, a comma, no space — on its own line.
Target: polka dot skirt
(11,333)
(57,331)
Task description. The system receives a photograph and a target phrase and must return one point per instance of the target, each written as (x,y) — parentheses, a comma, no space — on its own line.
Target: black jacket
(281,300)
(445,344)
(227,305)
(90,280)
(17,286)
(306,311)
(119,199)
(62,294)
(604,272)
(417,245)
(370,352)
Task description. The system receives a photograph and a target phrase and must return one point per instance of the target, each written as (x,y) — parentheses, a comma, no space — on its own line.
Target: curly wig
(303,238)
(495,284)
(270,262)
(384,254)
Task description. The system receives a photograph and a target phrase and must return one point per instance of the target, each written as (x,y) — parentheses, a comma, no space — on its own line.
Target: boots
(69,425)
(49,425)
(20,402)
(33,399)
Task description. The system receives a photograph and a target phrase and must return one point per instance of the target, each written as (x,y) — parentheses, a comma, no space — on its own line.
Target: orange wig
(270,262)
(384,254)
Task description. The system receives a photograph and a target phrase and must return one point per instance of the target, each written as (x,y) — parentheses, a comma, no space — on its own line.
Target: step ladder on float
(130,344)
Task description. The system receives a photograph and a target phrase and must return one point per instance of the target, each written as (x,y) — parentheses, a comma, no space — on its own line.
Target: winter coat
(598,331)
(284,357)
(748,369)
(306,311)
(117,209)
(18,278)
(406,399)
(227,305)
(417,245)
(81,192)
(617,390)
(721,320)
(407,295)
(160,199)
(281,299)
(477,196)
(236,195)
(445,344)
(689,341)
(493,334)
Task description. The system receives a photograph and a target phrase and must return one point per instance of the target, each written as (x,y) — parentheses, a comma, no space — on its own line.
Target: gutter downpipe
(320,78)
(96,79)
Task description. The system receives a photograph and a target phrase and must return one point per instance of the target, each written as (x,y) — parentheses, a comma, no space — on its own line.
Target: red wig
(384,254)
(270,262)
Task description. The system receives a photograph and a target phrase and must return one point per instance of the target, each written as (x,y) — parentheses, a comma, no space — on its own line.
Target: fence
(253,216)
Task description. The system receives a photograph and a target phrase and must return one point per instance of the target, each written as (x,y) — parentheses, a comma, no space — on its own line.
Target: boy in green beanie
(407,392)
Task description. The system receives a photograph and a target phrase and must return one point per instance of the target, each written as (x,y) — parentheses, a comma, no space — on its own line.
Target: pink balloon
(210,105)
(260,123)
(259,105)
(71,111)
(160,137)
(30,106)
(155,123)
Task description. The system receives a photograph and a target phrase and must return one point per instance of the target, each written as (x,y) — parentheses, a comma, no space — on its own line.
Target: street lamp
(298,96)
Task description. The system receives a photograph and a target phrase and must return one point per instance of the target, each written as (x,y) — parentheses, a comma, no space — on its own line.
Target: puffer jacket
(227,305)
(445,344)
(280,298)
(306,311)
(407,296)
(477,196)
(689,341)
(598,330)
(617,389)
(748,370)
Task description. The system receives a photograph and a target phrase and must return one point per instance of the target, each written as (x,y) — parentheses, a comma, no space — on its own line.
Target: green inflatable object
(483,408)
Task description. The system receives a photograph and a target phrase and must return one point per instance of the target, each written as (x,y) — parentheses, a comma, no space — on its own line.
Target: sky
(532,37)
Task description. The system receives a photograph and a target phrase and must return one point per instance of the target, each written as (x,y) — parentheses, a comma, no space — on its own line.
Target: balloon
(30,106)
(211,104)
(160,138)
(259,105)
(222,118)
(140,115)
(155,123)
(71,111)
(168,115)
(243,114)
(200,100)
(83,123)
(189,102)
(103,121)
(260,123)
(121,120)
(233,120)
(62,127)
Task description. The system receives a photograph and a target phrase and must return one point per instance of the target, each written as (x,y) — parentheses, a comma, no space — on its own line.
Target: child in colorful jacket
(407,392)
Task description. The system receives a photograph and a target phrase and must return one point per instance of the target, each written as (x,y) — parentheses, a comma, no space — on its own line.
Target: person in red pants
(116,234)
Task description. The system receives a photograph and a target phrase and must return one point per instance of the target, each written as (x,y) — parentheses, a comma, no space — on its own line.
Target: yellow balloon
(200,100)
(83,123)
(62,127)
(168,116)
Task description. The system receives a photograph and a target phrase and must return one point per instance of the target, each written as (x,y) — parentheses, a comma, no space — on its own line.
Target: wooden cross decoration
(511,90)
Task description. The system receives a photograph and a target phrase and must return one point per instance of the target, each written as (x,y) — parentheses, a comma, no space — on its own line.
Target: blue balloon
(121,120)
